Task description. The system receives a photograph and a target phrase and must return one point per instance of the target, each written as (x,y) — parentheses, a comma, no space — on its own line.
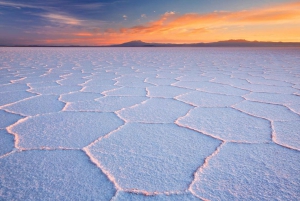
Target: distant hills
(226,43)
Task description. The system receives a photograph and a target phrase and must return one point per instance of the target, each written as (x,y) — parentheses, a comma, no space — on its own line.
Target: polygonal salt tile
(268,111)
(153,157)
(79,96)
(125,196)
(167,75)
(72,81)
(287,133)
(211,87)
(250,172)
(52,175)
(6,142)
(236,82)
(55,90)
(273,98)
(106,104)
(14,96)
(98,82)
(64,129)
(263,81)
(127,91)
(166,91)
(160,81)
(129,79)
(99,89)
(36,105)
(37,79)
(268,88)
(155,110)
(102,76)
(141,84)
(228,124)
(191,77)
(203,99)
(43,84)
(7,118)
(13,87)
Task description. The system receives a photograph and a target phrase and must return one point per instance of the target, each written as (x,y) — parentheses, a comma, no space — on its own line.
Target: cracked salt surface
(250,172)
(52,175)
(162,158)
(149,124)
(227,124)
(155,110)
(36,105)
(63,129)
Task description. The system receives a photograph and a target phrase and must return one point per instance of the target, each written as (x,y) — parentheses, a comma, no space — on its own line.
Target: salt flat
(149,124)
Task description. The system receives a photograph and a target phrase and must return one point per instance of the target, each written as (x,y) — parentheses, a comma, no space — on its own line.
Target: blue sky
(36,22)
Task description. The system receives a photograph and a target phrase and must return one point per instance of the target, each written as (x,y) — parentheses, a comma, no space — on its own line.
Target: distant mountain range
(227,43)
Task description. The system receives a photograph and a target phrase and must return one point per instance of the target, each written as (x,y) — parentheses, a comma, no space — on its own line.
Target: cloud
(173,22)
(170,13)
(143,15)
(23,5)
(62,19)
(90,6)
(83,34)
(276,22)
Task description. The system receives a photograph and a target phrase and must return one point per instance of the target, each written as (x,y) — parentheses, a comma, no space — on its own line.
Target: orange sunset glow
(274,23)
(270,22)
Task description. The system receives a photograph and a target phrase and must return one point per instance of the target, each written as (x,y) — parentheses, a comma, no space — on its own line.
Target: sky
(104,22)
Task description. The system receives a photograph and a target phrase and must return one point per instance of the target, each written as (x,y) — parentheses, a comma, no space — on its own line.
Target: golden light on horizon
(279,22)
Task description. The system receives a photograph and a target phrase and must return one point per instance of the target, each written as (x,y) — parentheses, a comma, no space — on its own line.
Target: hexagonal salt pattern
(166,91)
(284,99)
(268,111)
(52,175)
(63,129)
(149,124)
(14,96)
(155,110)
(255,172)
(36,105)
(153,157)
(227,124)
(105,104)
(203,99)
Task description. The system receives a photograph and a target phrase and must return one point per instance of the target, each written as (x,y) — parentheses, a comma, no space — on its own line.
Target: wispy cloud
(62,19)
(22,5)
(90,6)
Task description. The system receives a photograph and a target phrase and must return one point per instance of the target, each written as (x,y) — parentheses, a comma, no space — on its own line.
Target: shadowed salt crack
(205,165)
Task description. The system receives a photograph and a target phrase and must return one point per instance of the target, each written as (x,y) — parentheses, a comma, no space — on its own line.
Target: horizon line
(230,41)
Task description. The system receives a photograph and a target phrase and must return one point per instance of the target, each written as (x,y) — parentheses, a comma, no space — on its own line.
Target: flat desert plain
(149,123)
